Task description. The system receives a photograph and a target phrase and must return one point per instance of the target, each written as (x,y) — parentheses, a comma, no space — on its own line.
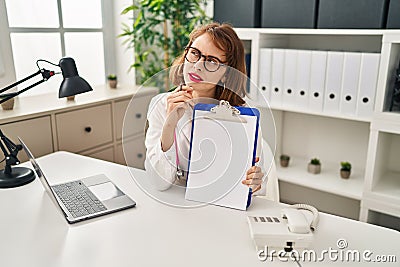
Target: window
(52,29)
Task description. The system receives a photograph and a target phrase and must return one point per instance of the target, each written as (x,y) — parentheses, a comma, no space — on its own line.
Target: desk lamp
(71,85)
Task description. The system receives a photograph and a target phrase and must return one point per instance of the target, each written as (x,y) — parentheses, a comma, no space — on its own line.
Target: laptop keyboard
(78,199)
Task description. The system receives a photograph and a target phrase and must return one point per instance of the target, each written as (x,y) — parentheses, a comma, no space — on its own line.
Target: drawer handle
(138,115)
(88,129)
(140,155)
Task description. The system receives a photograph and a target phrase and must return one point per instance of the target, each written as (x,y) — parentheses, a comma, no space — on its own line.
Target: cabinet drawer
(135,152)
(136,115)
(36,133)
(83,129)
(104,154)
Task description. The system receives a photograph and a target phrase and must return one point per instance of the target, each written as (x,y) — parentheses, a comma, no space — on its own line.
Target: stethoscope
(179,173)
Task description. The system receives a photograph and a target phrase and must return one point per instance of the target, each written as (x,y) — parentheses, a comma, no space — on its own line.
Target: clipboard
(223,147)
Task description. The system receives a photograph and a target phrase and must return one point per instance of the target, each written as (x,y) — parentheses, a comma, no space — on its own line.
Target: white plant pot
(315,169)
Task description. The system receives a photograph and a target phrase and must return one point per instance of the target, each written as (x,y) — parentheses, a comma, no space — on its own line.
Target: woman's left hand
(254,177)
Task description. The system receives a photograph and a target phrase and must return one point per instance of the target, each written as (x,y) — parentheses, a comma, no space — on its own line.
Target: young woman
(204,71)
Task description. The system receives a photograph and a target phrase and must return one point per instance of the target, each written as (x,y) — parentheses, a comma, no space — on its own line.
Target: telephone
(285,232)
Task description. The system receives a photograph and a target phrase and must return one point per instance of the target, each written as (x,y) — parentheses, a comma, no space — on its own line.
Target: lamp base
(18,177)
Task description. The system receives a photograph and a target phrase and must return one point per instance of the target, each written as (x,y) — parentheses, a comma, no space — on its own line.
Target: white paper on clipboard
(222,149)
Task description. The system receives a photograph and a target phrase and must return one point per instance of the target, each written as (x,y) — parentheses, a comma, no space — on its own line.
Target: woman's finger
(181,98)
(254,169)
(180,93)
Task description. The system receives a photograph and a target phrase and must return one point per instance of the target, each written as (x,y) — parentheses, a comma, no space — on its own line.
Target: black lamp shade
(72,83)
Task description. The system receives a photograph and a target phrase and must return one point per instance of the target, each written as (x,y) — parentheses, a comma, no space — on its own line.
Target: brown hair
(225,38)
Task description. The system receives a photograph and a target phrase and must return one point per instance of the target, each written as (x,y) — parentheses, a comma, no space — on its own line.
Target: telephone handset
(297,222)
(286,231)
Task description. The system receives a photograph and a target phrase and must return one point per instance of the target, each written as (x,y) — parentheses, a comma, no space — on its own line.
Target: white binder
(303,75)
(264,73)
(278,60)
(222,149)
(317,80)
(333,84)
(368,84)
(351,75)
(289,78)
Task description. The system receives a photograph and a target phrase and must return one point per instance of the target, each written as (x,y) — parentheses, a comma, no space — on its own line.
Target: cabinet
(82,129)
(36,132)
(370,142)
(92,125)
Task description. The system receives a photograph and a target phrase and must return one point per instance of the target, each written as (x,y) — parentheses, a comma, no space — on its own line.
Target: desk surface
(34,233)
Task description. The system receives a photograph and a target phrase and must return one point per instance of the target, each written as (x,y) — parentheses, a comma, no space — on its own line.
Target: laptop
(83,199)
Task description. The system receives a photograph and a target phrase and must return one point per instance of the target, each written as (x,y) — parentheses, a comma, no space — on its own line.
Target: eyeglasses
(211,64)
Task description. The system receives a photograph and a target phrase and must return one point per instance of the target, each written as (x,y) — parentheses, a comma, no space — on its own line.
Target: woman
(202,71)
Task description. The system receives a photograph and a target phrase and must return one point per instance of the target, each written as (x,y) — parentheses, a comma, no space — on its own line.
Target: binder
(278,59)
(289,78)
(317,80)
(333,84)
(264,73)
(368,84)
(303,75)
(351,75)
(222,149)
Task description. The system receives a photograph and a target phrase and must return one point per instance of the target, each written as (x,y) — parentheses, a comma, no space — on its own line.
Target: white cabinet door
(104,154)
(131,153)
(136,115)
(36,133)
(83,129)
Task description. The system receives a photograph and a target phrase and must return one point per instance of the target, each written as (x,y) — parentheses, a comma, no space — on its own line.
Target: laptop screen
(39,172)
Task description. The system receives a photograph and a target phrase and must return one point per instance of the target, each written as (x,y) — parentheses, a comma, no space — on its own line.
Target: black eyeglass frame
(220,64)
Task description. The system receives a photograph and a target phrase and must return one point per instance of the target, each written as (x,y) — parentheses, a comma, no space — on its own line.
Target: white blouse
(161,166)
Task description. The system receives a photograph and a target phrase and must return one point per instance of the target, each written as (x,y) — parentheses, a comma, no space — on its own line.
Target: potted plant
(345,169)
(314,166)
(159,33)
(284,160)
(112,80)
(9,104)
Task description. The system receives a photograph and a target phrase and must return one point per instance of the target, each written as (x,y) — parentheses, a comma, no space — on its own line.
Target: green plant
(111,77)
(159,32)
(345,166)
(284,157)
(315,161)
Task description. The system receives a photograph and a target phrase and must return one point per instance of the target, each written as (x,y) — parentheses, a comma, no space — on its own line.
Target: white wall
(8,76)
(123,57)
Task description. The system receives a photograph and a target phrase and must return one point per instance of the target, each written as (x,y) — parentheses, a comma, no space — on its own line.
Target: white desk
(33,233)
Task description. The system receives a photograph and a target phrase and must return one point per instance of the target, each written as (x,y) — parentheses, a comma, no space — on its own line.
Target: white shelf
(328,180)
(372,204)
(387,122)
(388,188)
(258,104)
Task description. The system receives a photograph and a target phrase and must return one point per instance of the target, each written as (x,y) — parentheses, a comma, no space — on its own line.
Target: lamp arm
(12,95)
(46,74)
(21,81)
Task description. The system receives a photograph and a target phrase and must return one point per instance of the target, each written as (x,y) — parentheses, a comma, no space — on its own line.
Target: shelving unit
(329,182)
(370,143)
